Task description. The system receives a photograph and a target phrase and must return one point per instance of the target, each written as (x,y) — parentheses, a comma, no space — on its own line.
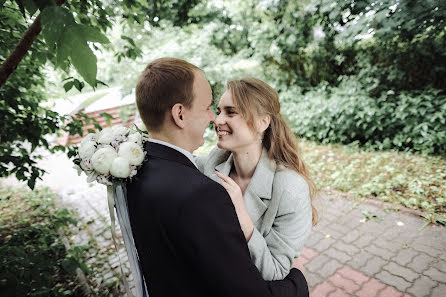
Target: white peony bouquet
(112,154)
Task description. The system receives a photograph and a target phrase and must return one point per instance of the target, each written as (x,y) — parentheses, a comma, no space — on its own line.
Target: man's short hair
(164,83)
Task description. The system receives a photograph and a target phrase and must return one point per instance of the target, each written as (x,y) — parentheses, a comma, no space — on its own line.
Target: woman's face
(232,130)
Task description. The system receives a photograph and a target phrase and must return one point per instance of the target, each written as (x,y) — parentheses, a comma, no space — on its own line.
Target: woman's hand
(236,195)
(232,188)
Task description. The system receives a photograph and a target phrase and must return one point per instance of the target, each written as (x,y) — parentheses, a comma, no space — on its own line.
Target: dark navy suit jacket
(188,237)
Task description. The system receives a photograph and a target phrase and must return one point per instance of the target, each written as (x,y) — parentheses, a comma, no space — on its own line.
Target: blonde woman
(259,163)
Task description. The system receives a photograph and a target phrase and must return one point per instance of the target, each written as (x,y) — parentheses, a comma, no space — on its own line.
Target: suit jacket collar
(260,186)
(167,153)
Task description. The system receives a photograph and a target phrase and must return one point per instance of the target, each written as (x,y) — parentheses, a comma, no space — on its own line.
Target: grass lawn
(410,180)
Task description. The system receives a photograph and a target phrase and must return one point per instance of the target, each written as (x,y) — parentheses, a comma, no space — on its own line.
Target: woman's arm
(273,253)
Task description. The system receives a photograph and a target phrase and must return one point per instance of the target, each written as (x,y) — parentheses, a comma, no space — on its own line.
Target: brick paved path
(387,256)
(346,255)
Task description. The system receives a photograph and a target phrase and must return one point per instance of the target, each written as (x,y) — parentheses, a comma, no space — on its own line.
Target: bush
(33,258)
(408,121)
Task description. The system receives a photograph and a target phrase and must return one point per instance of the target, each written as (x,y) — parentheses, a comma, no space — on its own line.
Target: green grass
(410,180)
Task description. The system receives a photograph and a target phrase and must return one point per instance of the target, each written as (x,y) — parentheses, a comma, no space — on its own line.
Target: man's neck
(169,139)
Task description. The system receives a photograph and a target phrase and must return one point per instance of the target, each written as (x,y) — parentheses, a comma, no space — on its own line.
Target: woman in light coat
(259,163)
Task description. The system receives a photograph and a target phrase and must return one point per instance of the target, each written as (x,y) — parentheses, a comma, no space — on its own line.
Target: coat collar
(167,153)
(260,186)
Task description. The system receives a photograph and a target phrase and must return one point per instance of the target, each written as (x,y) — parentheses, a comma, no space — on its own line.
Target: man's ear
(263,123)
(177,114)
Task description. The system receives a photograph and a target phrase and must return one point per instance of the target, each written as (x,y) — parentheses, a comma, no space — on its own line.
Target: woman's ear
(263,123)
(177,114)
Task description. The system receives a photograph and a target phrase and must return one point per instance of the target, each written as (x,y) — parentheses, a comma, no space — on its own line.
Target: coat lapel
(260,186)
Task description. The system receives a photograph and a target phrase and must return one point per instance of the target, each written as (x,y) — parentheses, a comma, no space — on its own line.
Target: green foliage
(409,121)
(33,258)
(71,35)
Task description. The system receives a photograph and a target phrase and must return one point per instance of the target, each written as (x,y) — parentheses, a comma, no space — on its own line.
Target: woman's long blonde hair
(253,97)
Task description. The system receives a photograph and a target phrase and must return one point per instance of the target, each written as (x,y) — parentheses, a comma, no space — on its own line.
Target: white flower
(120,168)
(103,158)
(135,137)
(86,149)
(89,137)
(106,136)
(119,130)
(132,152)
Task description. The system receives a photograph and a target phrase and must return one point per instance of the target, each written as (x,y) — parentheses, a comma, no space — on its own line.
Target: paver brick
(336,254)
(373,266)
(435,275)
(313,279)
(323,290)
(396,281)
(405,256)
(382,253)
(339,293)
(356,276)
(324,244)
(345,284)
(427,249)
(440,265)
(360,260)
(370,288)
(439,291)
(316,264)
(388,244)
(351,236)
(354,223)
(314,239)
(329,268)
(390,292)
(399,270)
(349,249)
(421,262)
(364,240)
(309,253)
(422,287)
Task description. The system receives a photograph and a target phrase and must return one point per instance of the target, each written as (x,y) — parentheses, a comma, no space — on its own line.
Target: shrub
(33,258)
(407,121)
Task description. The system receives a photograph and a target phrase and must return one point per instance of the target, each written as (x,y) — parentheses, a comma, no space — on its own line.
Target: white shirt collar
(181,150)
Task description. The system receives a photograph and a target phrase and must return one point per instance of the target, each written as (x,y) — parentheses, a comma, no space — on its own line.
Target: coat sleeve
(212,240)
(273,253)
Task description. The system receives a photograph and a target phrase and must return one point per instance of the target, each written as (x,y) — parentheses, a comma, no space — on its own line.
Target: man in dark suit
(185,228)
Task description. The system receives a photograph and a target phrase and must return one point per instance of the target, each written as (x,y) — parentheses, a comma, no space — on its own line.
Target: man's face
(200,114)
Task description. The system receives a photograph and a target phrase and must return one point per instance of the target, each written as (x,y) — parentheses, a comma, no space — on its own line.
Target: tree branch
(17,55)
